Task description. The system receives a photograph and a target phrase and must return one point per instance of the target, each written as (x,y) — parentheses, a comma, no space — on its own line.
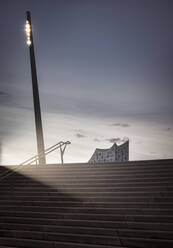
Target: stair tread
(30,226)
(25,219)
(54,244)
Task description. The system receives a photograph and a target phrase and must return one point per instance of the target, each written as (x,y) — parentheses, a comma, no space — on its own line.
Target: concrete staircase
(126,205)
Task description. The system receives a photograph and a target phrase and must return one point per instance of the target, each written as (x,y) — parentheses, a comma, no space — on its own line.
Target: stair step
(146,243)
(100,217)
(132,224)
(6,246)
(100,167)
(94,180)
(95,189)
(119,232)
(29,243)
(81,176)
(91,184)
(93,174)
(68,198)
(62,237)
(78,169)
(85,195)
(84,210)
(88,204)
(34,193)
(59,229)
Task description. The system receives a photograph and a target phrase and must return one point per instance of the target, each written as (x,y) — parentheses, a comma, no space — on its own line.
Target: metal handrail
(47,151)
(35,158)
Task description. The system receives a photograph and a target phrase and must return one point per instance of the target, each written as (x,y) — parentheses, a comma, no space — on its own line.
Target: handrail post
(62,153)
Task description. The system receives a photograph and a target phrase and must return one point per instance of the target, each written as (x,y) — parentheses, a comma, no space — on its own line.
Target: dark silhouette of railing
(60,145)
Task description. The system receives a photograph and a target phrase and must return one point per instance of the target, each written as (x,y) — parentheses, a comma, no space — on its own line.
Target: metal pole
(37,110)
(61,152)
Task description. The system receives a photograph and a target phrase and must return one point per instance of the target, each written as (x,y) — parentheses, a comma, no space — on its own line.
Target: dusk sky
(105,72)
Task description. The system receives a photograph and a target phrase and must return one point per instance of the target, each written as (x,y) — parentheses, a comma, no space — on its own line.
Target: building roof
(115,145)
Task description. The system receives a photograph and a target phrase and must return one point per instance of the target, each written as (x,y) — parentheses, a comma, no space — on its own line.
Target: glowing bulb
(28,42)
(27,27)
(28,32)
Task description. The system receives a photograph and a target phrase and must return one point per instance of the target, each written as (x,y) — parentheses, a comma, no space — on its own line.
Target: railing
(60,145)
(47,151)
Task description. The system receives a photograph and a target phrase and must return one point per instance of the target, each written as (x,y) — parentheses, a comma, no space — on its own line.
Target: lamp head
(28,32)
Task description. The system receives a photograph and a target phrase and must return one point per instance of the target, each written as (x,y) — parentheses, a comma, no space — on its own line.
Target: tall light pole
(37,110)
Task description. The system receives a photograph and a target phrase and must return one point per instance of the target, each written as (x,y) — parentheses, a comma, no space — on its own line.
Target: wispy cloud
(4,97)
(79,131)
(96,140)
(168,129)
(117,140)
(3,93)
(79,135)
(114,140)
(120,125)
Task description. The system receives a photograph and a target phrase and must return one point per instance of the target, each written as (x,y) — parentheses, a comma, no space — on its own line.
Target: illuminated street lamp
(28,32)
(37,110)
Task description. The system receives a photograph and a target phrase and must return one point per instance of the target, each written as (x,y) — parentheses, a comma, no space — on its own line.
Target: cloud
(79,130)
(3,93)
(79,135)
(114,140)
(168,129)
(4,97)
(81,105)
(96,140)
(13,101)
(121,125)
(117,140)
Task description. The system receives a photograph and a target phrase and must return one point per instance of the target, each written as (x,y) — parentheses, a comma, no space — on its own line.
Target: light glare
(28,32)
(28,42)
